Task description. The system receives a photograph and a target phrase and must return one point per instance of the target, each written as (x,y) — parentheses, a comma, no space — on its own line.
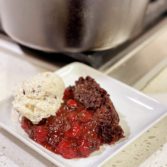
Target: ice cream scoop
(39,97)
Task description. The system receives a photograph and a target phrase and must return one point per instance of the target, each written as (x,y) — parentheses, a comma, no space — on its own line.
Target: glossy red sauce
(75,131)
(70,133)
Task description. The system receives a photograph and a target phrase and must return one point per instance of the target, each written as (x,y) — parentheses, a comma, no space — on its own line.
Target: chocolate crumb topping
(89,93)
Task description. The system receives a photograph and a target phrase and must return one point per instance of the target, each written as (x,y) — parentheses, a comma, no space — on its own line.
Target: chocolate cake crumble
(89,93)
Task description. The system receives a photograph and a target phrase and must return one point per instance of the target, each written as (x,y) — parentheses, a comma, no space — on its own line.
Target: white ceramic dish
(137,113)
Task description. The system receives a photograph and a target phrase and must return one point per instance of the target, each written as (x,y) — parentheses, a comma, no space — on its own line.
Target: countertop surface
(149,150)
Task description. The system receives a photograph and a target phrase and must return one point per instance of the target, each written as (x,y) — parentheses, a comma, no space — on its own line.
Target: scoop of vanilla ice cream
(39,97)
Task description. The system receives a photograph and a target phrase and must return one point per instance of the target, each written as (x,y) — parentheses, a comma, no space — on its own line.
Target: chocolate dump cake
(86,120)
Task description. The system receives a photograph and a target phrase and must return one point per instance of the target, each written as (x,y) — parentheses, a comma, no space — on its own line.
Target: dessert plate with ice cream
(77,116)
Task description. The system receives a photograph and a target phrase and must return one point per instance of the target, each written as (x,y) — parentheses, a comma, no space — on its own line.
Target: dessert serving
(73,121)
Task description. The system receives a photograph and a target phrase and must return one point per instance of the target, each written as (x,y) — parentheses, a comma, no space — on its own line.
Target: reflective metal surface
(72,25)
(139,59)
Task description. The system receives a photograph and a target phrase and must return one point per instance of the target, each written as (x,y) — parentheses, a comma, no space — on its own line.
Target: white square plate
(137,113)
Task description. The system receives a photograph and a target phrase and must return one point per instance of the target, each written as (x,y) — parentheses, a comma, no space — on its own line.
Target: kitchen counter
(148,150)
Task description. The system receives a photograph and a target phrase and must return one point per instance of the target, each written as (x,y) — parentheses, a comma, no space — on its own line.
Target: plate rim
(76,64)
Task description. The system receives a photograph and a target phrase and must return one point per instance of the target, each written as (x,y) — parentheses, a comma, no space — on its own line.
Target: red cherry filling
(75,131)
(66,149)
(40,133)
(72,103)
